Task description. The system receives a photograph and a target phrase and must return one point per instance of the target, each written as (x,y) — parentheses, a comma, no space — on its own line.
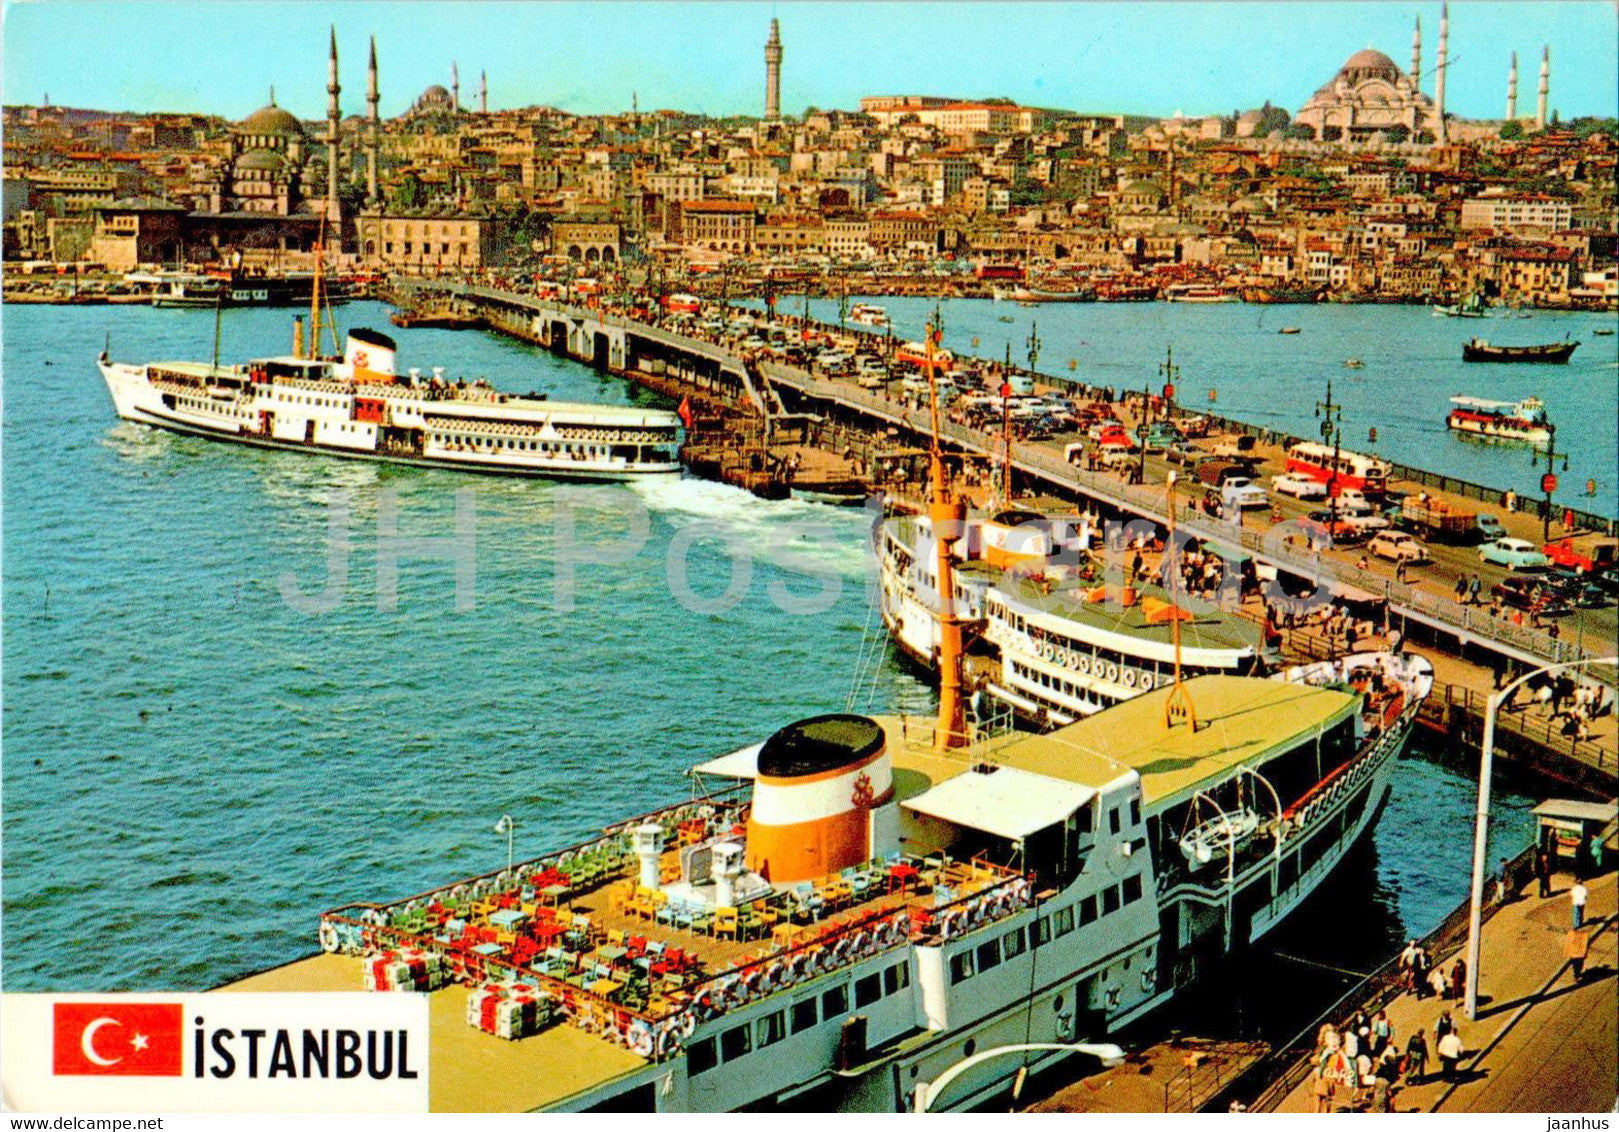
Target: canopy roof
(1003,801)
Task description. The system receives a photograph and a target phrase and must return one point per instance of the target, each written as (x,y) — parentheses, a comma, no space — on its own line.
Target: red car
(1564,553)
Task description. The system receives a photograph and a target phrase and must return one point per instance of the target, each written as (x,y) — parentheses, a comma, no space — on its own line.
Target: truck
(1598,557)
(1438,520)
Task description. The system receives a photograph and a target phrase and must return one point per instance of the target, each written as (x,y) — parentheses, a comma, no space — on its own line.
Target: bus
(1353,469)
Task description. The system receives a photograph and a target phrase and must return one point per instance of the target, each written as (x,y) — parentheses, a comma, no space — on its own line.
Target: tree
(1511,131)
(1397,135)
(411,193)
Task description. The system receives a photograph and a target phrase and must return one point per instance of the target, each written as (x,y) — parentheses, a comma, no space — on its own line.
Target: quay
(738,383)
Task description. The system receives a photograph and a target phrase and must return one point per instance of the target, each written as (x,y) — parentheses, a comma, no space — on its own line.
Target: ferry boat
(844,914)
(1065,647)
(1471,307)
(1501,420)
(1554,353)
(1281,294)
(865,314)
(357,406)
(1197,293)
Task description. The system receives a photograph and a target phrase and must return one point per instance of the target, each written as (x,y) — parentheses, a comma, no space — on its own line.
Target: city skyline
(712,55)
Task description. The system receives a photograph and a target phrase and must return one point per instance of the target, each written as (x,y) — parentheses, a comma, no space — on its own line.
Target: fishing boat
(1554,353)
(865,314)
(1603,331)
(841,914)
(1269,295)
(1354,363)
(1471,307)
(1198,293)
(357,405)
(1500,420)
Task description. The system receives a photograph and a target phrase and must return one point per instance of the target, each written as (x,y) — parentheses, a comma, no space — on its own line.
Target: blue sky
(1148,58)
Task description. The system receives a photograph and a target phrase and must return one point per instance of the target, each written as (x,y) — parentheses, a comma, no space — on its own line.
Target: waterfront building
(715,225)
(430,240)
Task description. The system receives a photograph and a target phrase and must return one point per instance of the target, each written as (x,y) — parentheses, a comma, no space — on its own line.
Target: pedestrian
(1450,1054)
(1350,1043)
(1419,969)
(1511,501)
(1458,979)
(1416,1057)
(1408,965)
(1576,898)
(1461,588)
(1503,883)
(1473,587)
(1399,571)
(1543,871)
(1381,1097)
(1382,1033)
(1396,639)
(1443,1025)
(1349,636)
(1436,982)
(1576,945)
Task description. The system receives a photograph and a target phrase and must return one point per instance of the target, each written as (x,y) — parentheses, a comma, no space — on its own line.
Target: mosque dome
(435,93)
(267,159)
(271,120)
(1369,64)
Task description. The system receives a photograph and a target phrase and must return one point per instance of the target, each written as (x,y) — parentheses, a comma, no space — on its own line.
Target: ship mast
(1178,704)
(947,516)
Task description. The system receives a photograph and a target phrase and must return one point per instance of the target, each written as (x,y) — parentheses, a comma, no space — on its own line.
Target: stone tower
(1545,87)
(1416,55)
(1512,89)
(773,73)
(483,92)
(373,123)
(1439,79)
(334,118)
(455,88)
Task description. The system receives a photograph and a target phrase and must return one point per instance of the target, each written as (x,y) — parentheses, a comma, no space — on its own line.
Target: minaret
(1439,80)
(455,87)
(334,116)
(373,125)
(483,92)
(1512,90)
(1545,87)
(1416,56)
(773,73)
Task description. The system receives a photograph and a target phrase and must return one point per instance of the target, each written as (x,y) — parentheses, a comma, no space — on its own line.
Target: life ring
(328,938)
(1147,681)
(840,951)
(861,944)
(948,923)
(688,1024)
(1112,673)
(640,1040)
(797,966)
(1049,652)
(1068,658)
(1129,678)
(666,1043)
(1083,665)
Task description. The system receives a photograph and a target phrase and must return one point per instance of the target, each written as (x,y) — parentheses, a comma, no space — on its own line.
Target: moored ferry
(1500,420)
(1197,293)
(357,406)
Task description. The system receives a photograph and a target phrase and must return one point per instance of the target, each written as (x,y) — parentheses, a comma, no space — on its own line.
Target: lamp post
(1548,479)
(507,826)
(928,1091)
(1481,828)
(1331,414)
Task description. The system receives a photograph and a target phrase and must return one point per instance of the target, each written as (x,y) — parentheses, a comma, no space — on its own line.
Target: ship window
(804,1016)
(1110,899)
(835,1002)
(1135,811)
(961,967)
(1063,921)
(1012,943)
(700,1057)
(989,955)
(1085,819)
(1132,888)
(868,989)
(1087,910)
(736,1042)
(1040,931)
(1113,820)
(896,978)
(772,1028)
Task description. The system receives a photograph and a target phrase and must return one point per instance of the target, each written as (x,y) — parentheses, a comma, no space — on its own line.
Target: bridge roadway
(1336,572)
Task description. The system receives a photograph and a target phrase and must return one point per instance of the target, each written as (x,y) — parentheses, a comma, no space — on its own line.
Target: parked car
(1513,553)
(1581,590)
(1242,492)
(1533,594)
(1184,452)
(1564,552)
(1489,528)
(1397,546)
(1299,487)
(1340,528)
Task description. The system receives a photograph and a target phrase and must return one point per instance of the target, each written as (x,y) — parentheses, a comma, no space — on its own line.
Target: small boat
(868,315)
(1554,353)
(1268,295)
(1288,330)
(833,494)
(1500,420)
(436,320)
(1470,307)
(1354,363)
(1603,331)
(1009,318)
(1221,836)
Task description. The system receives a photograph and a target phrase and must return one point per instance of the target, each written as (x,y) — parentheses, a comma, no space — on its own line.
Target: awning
(1003,801)
(1570,810)
(742,765)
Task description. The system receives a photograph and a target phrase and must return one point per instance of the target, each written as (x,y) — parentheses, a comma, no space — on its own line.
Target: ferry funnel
(819,783)
(370,355)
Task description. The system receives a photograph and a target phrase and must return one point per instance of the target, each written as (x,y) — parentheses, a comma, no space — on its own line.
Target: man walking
(1461,589)
(1577,896)
(1450,1053)
(1473,588)
(1543,871)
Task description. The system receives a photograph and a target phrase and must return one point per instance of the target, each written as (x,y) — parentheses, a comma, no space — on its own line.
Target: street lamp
(1481,828)
(1548,480)
(928,1091)
(507,826)
(1331,414)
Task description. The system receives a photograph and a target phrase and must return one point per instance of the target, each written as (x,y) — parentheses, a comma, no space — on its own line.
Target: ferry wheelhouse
(1500,420)
(357,406)
(1339,469)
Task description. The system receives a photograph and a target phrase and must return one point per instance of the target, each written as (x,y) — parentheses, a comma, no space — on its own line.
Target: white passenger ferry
(359,406)
(867,314)
(1065,648)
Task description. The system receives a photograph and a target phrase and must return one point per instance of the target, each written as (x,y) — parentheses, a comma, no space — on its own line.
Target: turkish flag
(117,1039)
(685,411)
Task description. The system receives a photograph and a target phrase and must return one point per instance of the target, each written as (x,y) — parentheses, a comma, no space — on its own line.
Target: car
(1364,518)
(1300,487)
(1340,528)
(1184,453)
(1579,588)
(1487,528)
(1242,492)
(1513,553)
(1397,546)
(1532,594)
(1564,552)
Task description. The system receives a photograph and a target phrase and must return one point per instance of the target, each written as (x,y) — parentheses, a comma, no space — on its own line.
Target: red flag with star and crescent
(685,411)
(117,1039)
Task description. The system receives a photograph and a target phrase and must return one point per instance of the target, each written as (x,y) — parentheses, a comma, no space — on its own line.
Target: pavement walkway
(1542,1042)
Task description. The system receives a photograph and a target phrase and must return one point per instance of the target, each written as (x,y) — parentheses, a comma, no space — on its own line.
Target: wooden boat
(1288,330)
(1555,353)
(435,320)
